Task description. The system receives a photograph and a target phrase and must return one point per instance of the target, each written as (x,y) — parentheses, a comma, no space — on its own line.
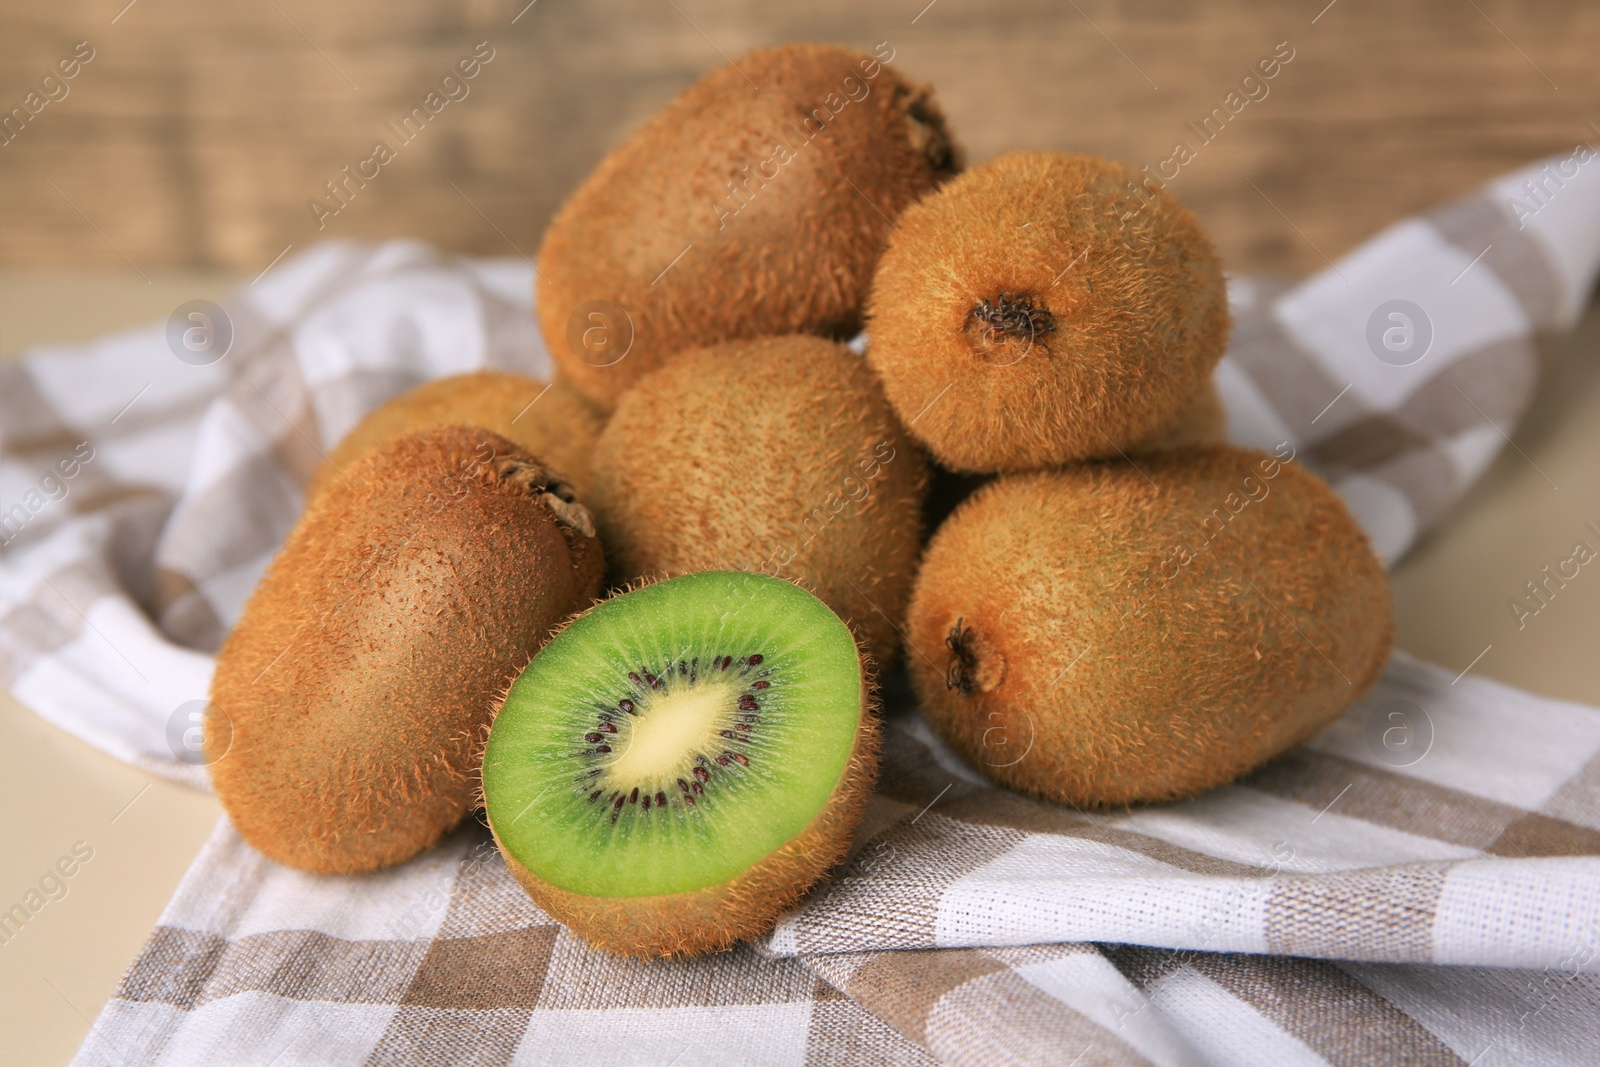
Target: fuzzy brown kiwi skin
(1030,670)
(749,456)
(1202,423)
(798,257)
(1053,315)
(551,420)
(371,652)
(713,919)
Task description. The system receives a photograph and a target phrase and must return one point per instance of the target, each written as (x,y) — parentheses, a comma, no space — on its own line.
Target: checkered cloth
(1420,883)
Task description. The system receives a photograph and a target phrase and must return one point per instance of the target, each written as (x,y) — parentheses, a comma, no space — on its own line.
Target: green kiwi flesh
(682,762)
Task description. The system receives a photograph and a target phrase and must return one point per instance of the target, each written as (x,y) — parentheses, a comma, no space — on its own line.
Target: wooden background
(201,129)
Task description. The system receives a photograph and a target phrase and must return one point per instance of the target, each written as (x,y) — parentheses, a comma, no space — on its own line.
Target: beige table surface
(1451,597)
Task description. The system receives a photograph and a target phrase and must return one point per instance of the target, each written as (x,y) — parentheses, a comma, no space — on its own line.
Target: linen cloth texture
(1353,902)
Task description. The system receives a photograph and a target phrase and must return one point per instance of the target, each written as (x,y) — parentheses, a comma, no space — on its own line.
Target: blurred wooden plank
(198,134)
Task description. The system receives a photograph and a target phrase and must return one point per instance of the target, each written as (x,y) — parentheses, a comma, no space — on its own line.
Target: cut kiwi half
(683,762)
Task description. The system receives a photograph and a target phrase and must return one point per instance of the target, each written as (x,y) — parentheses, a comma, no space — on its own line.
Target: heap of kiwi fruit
(637,614)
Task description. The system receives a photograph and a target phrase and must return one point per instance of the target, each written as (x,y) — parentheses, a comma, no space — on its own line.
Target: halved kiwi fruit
(683,762)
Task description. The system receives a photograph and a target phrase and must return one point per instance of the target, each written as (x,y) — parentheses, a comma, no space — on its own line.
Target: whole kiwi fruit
(349,701)
(551,420)
(682,762)
(755,203)
(778,455)
(1043,308)
(1113,633)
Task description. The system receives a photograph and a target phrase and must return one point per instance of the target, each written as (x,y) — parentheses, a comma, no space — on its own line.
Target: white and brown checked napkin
(1434,898)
